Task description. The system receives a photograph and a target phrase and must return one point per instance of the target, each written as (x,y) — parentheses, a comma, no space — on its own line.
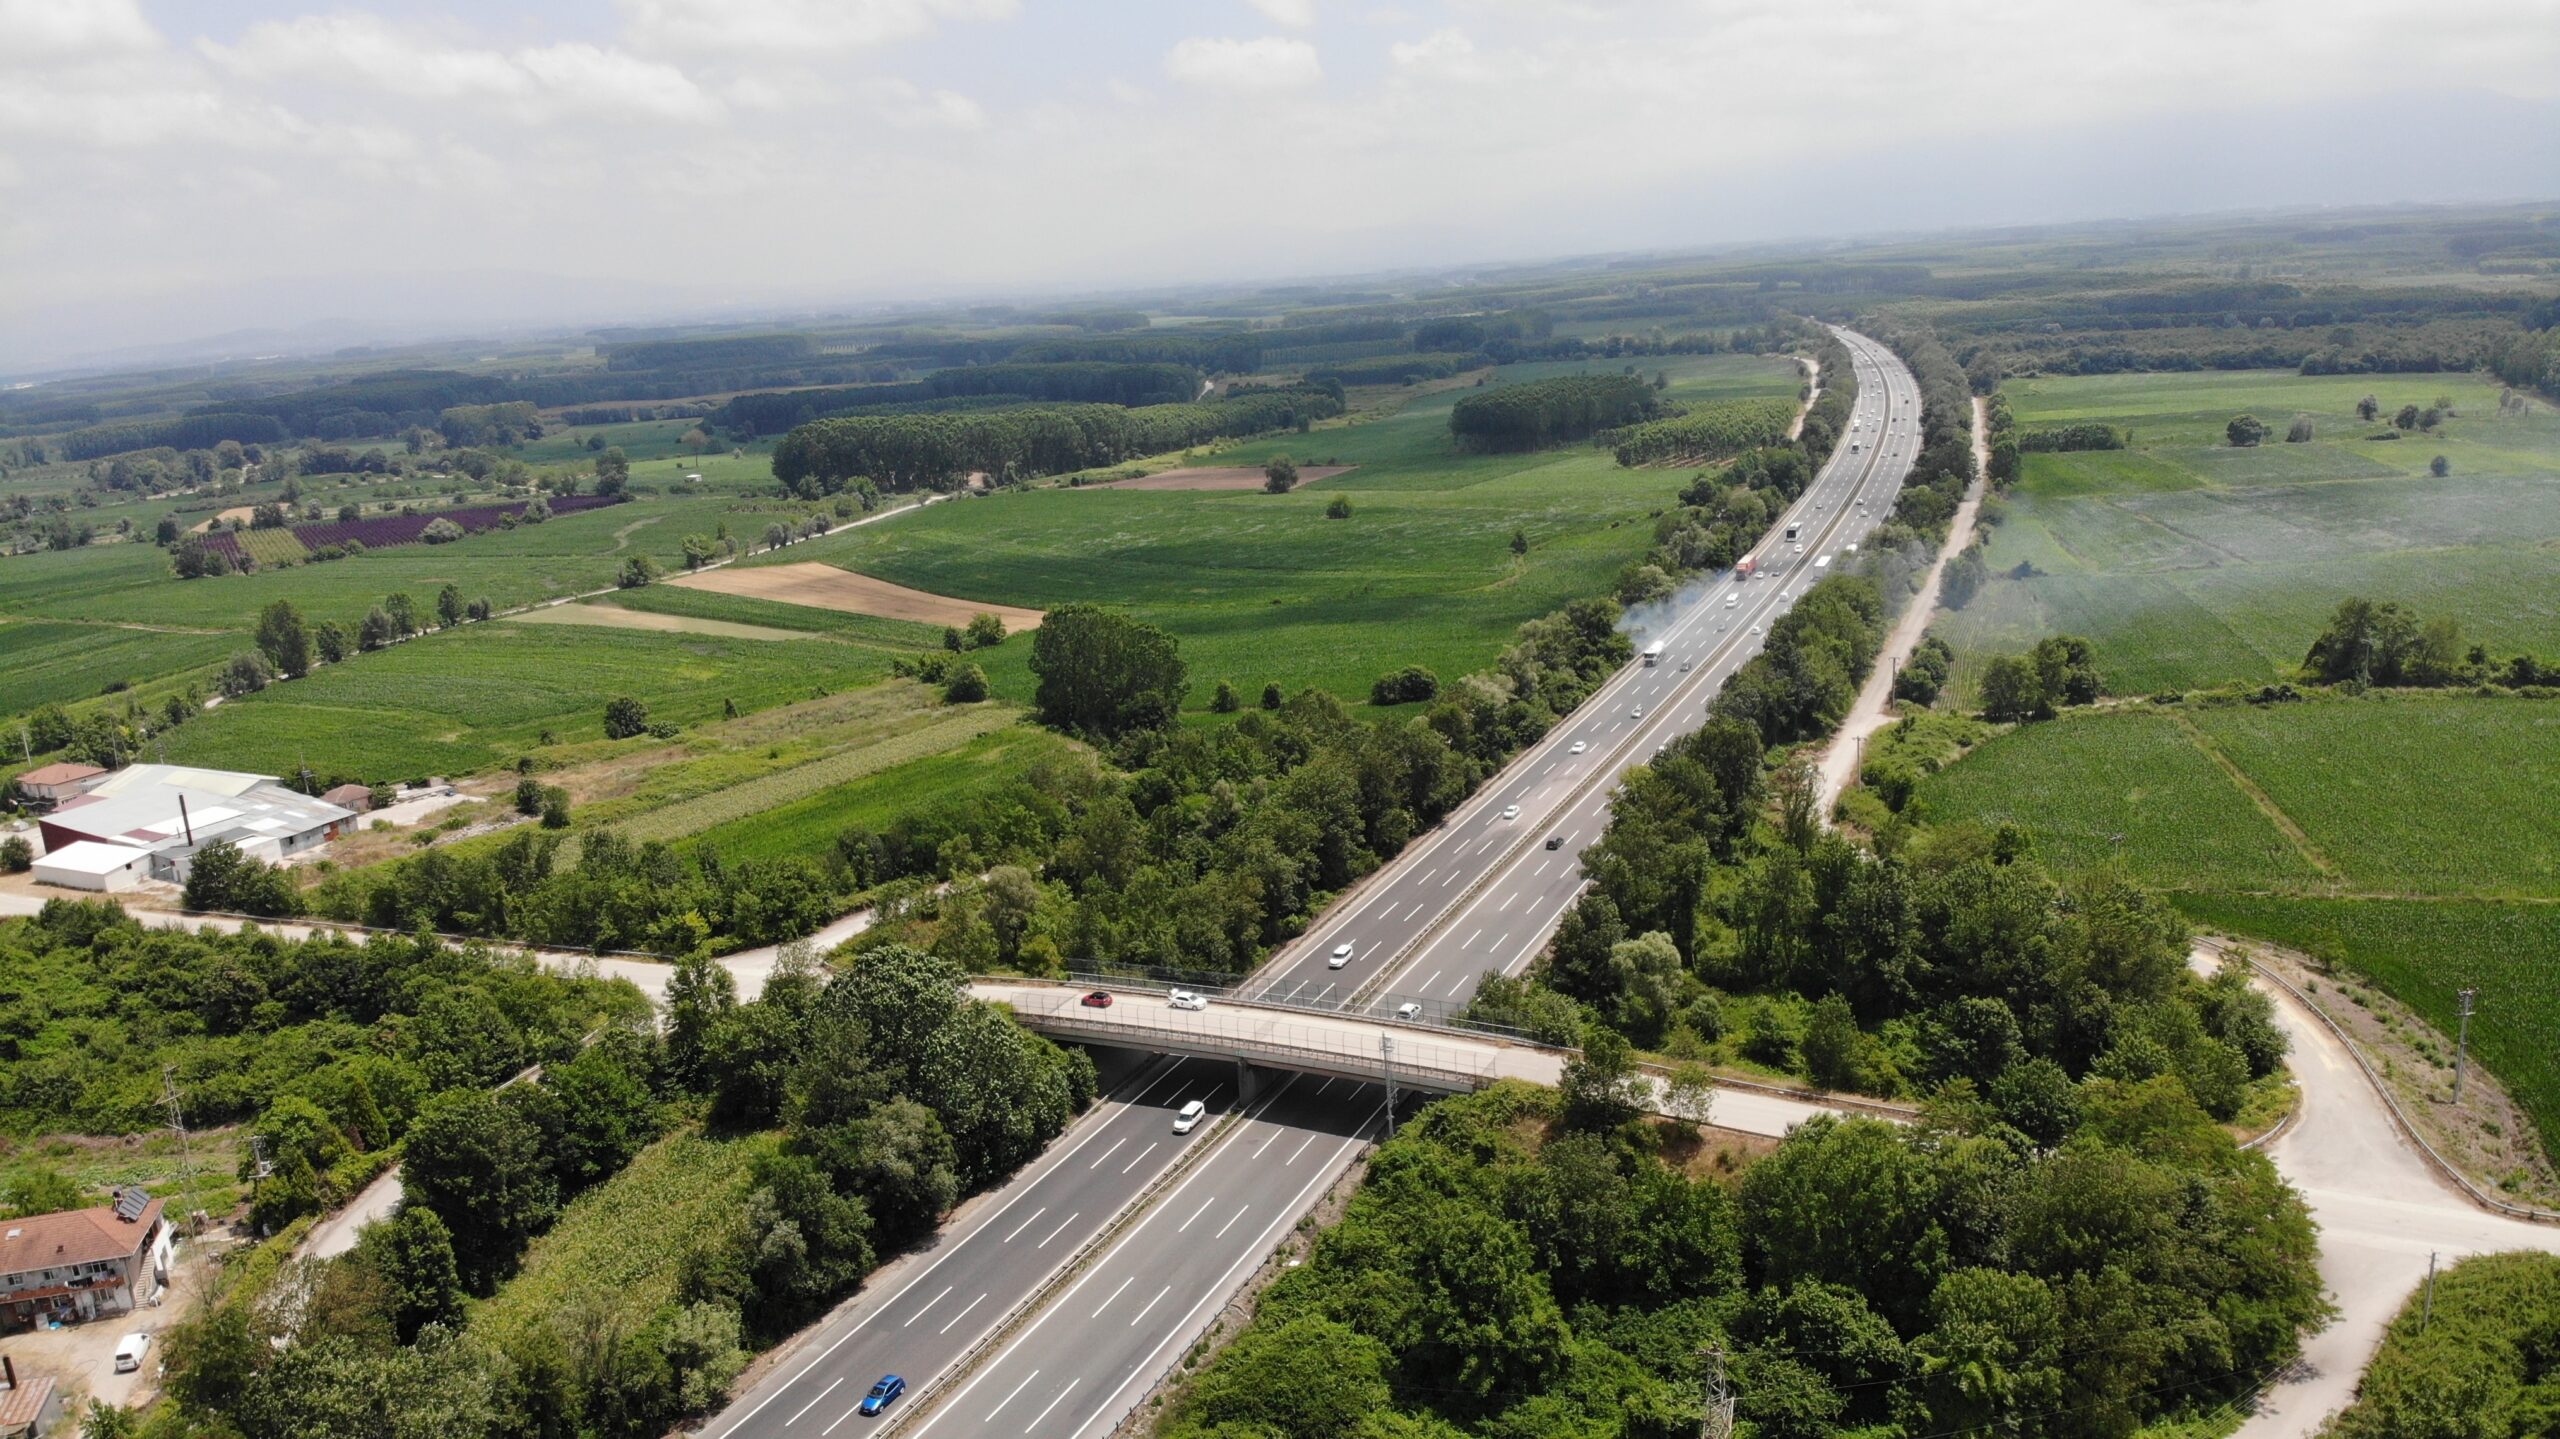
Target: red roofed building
(53,783)
(81,1263)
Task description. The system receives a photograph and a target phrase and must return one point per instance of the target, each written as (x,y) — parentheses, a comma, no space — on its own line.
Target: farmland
(950,783)
(384,531)
(2193,563)
(1263,588)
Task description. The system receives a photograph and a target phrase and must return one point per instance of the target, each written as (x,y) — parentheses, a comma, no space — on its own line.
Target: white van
(1731,600)
(1341,957)
(1187,1118)
(129,1352)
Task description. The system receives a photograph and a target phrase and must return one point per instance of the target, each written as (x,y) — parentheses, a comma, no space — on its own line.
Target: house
(356,797)
(51,784)
(176,810)
(30,1405)
(87,864)
(81,1264)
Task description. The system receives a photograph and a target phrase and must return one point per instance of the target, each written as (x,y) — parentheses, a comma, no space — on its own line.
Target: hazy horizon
(396,171)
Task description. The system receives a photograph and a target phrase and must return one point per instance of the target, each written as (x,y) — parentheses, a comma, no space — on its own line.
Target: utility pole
(1387,1065)
(186,1147)
(2462,1044)
(2427,1314)
(1718,1423)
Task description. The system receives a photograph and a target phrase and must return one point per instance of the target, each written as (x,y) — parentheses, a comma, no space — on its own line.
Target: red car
(1099,999)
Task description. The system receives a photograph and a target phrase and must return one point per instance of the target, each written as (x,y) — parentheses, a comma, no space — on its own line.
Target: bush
(2245,431)
(440,531)
(1340,509)
(2298,432)
(1279,475)
(555,808)
(1405,686)
(625,717)
(985,631)
(528,796)
(1226,701)
(967,685)
(637,571)
(16,855)
(248,673)
(2439,467)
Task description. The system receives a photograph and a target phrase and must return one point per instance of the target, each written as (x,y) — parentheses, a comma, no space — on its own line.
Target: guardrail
(1415,1064)
(1429,1013)
(2400,1119)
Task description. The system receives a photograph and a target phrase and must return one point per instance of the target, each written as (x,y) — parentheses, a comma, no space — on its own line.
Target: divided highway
(1483,891)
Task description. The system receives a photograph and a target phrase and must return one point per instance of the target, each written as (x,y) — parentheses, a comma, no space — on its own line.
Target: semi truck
(1653,654)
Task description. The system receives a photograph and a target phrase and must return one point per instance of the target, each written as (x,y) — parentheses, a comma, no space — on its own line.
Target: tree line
(1534,414)
(2367,643)
(1706,432)
(936,451)
(1520,1262)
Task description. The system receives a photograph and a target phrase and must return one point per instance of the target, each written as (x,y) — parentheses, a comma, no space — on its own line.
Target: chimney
(190,824)
(8,1372)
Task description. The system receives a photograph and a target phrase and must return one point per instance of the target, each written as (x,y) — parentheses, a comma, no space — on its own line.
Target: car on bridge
(1099,999)
(1185,999)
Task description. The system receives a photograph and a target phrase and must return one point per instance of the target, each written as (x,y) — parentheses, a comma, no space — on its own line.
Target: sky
(172,169)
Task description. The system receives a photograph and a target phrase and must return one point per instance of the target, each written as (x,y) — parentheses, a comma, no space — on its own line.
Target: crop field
(930,734)
(1263,588)
(2192,563)
(774,614)
(55,661)
(464,700)
(951,781)
(822,586)
(2422,952)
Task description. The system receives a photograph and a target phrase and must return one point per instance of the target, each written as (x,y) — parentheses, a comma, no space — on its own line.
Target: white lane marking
(1241,1212)
(1018,1388)
(1320,994)
(1044,1413)
(1506,902)
(1105,1304)
(1106,1154)
(928,1304)
(1195,1214)
(1301,1149)
(1328,1084)
(1497,941)
(1151,1304)
(823,1393)
(1417,909)
(1025,1224)
(1457,984)
(1542,868)
(1471,940)
(1453,874)
(1054,1233)
(1143,1153)
(958,1317)
(1435,974)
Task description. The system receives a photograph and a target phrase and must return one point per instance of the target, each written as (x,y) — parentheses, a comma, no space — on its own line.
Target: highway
(919,1322)
(1482,891)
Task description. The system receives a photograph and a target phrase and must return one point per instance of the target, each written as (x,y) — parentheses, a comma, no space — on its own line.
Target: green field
(1263,588)
(470,698)
(54,661)
(947,782)
(2192,563)
(2412,838)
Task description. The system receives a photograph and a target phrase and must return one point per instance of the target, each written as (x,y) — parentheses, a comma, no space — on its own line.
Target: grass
(627,1238)
(57,661)
(951,780)
(462,700)
(919,736)
(1262,588)
(2423,953)
(2192,563)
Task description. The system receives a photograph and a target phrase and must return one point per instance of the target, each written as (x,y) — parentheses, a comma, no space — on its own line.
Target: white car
(129,1352)
(1189,1119)
(1511,811)
(1409,1012)
(1639,712)
(1341,957)
(1580,745)
(1185,999)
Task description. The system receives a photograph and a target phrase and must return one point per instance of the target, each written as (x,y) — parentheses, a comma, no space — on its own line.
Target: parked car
(883,1394)
(1185,999)
(129,1352)
(1099,999)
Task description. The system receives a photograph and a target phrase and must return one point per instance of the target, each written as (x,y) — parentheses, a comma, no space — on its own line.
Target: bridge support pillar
(1247,1083)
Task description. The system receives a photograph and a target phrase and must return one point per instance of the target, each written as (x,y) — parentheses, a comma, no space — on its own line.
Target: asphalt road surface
(1483,891)
(980,1272)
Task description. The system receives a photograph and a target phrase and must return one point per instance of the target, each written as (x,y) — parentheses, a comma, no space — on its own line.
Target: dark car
(883,1394)
(1099,999)
(1555,841)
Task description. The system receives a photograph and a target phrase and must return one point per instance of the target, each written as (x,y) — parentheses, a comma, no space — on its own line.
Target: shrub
(625,717)
(1226,701)
(1405,686)
(2439,467)
(2245,431)
(555,808)
(986,631)
(1340,509)
(2297,432)
(248,673)
(440,531)
(1279,475)
(16,855)
(967,685)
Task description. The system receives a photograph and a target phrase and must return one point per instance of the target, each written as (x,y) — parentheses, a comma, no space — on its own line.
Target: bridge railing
(1240,989)
(1260,1036)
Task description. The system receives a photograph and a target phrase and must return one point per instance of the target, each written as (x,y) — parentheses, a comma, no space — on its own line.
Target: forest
(1535,414)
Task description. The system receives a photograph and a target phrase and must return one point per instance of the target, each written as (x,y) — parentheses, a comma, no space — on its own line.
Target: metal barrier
(1279,1042)
(1428,1013)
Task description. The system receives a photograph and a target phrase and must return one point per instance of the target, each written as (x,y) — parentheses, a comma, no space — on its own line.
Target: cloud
(1270,63)
(793,27)
(909,106)
(536,82)
(1296,14)
(54,30)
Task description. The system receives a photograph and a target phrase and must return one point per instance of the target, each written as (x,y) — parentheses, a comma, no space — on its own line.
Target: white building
(173,811)
(87,864)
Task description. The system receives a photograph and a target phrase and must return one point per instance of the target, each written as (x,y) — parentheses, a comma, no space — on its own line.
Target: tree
(528,796)
(1104,674)
(2368,408)
(2439,467)
(700,996)
(1271,697)
(2407,418)
(625,717)
(1690,1093)
(1279,475)
(1602,1089)
(1338,508)
(403,612)
(2244,431)
(613,471)
(637,571)
(414,1253)
(555,807)
(376,630)
(166,533)
(967,685)
(16,855)
(449,606)
(986,630)
(440,531)
(2299,431)
(330,640)
(699,550)
(1410,685)
(478,1165)
(1520,542)
(1226,701)
(40,1190)
(2011,690)
(246,674)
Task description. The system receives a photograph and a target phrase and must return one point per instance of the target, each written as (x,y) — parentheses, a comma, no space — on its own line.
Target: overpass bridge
(1335,1044)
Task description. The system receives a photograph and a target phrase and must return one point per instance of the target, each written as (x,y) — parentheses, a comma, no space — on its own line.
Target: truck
(1792,527)
(1742,571)
(1822,564)
(1653,654)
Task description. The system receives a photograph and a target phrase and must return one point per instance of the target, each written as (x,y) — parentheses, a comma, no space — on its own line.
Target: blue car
(883,1394)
